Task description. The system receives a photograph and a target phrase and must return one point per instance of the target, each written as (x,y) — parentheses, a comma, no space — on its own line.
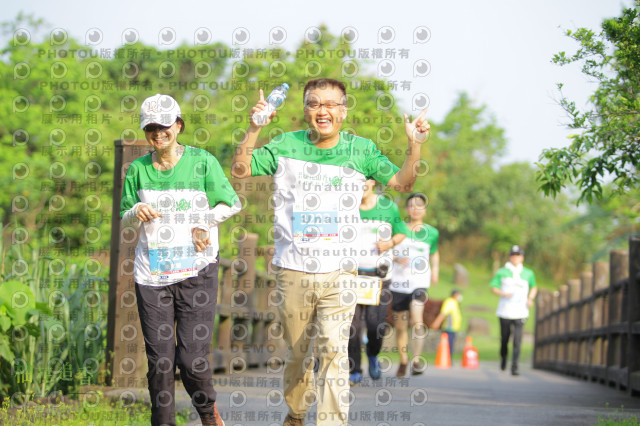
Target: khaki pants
(317,307)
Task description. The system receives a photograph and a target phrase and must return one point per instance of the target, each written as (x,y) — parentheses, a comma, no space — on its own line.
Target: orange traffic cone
(470,357)
(443,357)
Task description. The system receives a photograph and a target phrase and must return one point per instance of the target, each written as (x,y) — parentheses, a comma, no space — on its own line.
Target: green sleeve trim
(496,281)
(398,226)
(217,185)
(383,172)
(378,166)
(434,236)
(264,161)
(531,277)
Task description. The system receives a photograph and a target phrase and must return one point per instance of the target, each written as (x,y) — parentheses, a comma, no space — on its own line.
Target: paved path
(457,396)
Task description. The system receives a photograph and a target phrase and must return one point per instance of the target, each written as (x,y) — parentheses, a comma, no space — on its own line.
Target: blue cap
(286,86)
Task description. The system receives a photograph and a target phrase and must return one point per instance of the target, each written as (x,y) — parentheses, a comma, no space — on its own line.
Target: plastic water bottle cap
(286,86)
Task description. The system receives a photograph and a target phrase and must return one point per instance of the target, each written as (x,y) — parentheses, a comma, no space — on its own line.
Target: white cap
(159,109)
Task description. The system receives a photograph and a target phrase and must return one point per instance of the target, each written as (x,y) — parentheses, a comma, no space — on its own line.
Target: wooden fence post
(585,339)
(555,328)
(544,330)
(600,282)
(619,266)
(633,310)
(550,327)
(126,358)
(586,291)
(599,311)
(574,316)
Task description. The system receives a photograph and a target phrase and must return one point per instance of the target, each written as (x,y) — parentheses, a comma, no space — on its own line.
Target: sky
(497,51)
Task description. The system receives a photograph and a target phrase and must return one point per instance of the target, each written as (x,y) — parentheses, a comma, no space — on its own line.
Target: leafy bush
(52,326)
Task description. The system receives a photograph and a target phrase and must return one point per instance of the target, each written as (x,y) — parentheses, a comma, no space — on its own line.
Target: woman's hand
(146,213)
(200,239)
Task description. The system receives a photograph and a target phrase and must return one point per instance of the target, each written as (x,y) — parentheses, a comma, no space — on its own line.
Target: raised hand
(260,106)
(417,130)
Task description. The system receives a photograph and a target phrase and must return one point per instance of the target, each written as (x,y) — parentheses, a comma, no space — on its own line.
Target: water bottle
(275,98)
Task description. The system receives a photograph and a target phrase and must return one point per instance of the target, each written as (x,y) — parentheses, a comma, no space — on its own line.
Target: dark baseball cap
(516,250)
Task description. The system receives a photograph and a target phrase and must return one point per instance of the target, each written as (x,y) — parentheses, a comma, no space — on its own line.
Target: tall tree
(606,146)
(463,152)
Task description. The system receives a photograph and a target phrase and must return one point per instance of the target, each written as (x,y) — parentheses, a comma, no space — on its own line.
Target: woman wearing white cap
(179,195)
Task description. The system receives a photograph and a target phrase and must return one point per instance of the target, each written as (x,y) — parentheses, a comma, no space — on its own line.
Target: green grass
(76,413)
(629,421)
(96,410)
(618,419)
(479,302)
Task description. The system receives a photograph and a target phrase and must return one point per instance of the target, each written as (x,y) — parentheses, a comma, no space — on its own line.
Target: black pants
(451,335)
(505,333)
(177,324)
(374,316)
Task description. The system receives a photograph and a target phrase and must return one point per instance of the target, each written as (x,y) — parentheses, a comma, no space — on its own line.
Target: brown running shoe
(292,421)
(212,419)
(402,370)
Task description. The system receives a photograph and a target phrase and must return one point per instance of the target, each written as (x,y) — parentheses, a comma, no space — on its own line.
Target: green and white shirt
(418,246)
(380,223)
(195,193)
(517,281)
(317,197)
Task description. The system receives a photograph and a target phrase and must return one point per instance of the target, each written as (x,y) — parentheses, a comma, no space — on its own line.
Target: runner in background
(381,229)
(417,266)
(450,311)
(516,286)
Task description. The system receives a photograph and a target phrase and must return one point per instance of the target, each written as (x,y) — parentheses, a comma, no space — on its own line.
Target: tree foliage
(606,145)
(463,153)
(63,112)
(65,104)
(482,207)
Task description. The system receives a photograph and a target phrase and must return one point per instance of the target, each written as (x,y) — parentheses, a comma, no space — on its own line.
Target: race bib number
(171,252)
(172,262)
(518,288)
(368,290)
(315,226)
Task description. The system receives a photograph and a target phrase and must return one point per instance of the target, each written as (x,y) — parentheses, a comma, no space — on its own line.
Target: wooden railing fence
(590,327)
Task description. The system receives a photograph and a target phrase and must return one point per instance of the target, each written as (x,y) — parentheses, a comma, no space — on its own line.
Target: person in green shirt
(416,267)
(381,229)
(319,175)
(516,286)
(450,311)
(175,197)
